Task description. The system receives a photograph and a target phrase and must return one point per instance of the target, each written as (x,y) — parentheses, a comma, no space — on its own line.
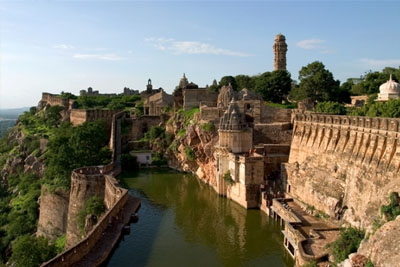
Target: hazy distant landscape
(8,117)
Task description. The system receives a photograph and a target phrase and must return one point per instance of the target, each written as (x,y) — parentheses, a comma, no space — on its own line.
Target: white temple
(388,90)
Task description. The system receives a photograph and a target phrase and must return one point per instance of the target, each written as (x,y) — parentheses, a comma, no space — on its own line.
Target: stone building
(388,90)
(188,95)
(155,103)
(280,49)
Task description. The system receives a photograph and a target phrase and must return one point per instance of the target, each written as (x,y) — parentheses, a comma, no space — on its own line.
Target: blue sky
(71,45)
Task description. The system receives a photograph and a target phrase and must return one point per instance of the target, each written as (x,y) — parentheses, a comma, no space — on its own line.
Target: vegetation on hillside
(68,148)
(94,207)
(347,243)
(119,102)
(392,210)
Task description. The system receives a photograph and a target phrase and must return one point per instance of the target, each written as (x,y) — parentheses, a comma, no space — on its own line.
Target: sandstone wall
(53,213)
(272,114)
(79,116)
(344,166)
(142,125)
(115,199)
(193,97)
(85,182)
(272,133)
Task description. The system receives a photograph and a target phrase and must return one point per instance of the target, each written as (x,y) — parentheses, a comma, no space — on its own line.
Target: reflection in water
(183,222)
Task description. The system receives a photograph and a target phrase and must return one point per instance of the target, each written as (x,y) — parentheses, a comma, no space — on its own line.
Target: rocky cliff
(192,149)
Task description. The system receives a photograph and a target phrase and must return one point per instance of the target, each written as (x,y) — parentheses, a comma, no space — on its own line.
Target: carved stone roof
(389,89)
(233,119)
(225,96)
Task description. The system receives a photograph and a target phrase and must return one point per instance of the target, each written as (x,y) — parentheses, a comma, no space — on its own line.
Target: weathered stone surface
(383,247)
(344,166)
(52,213)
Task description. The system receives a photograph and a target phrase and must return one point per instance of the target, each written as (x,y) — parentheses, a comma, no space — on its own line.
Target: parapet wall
(79,116)
(345,166)
(56,100)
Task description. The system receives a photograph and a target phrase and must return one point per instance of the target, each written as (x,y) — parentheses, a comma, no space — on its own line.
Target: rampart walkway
(110,237)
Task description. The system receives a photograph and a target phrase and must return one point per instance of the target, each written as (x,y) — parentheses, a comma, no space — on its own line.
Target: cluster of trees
(119,102)
(315,83)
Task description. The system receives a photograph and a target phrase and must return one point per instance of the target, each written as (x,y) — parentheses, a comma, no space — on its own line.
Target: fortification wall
(115,199)
(344,166)
(272,114)
(193,97)
(53,213)
(211,114)
(79,116)
(85,182)
(273,133)
(142,125)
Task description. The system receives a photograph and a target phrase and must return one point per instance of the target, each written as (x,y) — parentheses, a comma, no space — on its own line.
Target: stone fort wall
(345,166)
(80,116)
(193,97)
(115,198)
(86,182)
(56,100)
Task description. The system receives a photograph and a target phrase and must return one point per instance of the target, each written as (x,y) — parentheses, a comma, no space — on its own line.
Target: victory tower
(280,49)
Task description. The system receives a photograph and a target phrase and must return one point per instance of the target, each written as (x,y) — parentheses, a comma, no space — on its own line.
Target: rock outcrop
(383,247)
(202,143)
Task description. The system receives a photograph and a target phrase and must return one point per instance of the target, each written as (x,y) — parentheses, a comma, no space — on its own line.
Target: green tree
(347,243)
(331,108)
(28,250)
(245,81)
(317,84)
(273,86)
(228,79)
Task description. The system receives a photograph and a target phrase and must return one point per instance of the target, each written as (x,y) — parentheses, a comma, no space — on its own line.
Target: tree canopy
(273,86)
(317,83)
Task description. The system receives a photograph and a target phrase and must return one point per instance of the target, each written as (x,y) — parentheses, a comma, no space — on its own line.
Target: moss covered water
(183,222)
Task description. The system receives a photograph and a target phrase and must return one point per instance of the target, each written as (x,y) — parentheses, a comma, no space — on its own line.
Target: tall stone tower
(280,49)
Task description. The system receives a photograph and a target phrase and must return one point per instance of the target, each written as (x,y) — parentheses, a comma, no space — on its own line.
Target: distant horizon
(70,46)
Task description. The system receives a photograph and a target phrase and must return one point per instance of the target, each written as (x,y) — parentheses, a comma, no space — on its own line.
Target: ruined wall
(193,97)
(344,166)
(212,114)
(142,125)
(53,213)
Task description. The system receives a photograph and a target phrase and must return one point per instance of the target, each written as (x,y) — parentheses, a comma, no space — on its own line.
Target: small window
(147,157)
(248,106)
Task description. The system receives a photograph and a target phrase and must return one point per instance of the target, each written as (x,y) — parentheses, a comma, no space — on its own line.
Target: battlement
(80,116)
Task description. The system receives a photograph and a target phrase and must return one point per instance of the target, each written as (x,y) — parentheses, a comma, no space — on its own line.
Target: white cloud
(111,57)
(311,44)
(64,46)
(380,63)
(191,47)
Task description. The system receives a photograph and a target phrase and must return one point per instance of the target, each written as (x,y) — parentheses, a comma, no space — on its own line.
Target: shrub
(93,206)
(228,178)
(330,108)
(347,243)
(28,250)
(60,243)
(369,263)
(189,153)
(392,210)
(208,127)
(181,133)
(158,159)
(156,132)
(310,264)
